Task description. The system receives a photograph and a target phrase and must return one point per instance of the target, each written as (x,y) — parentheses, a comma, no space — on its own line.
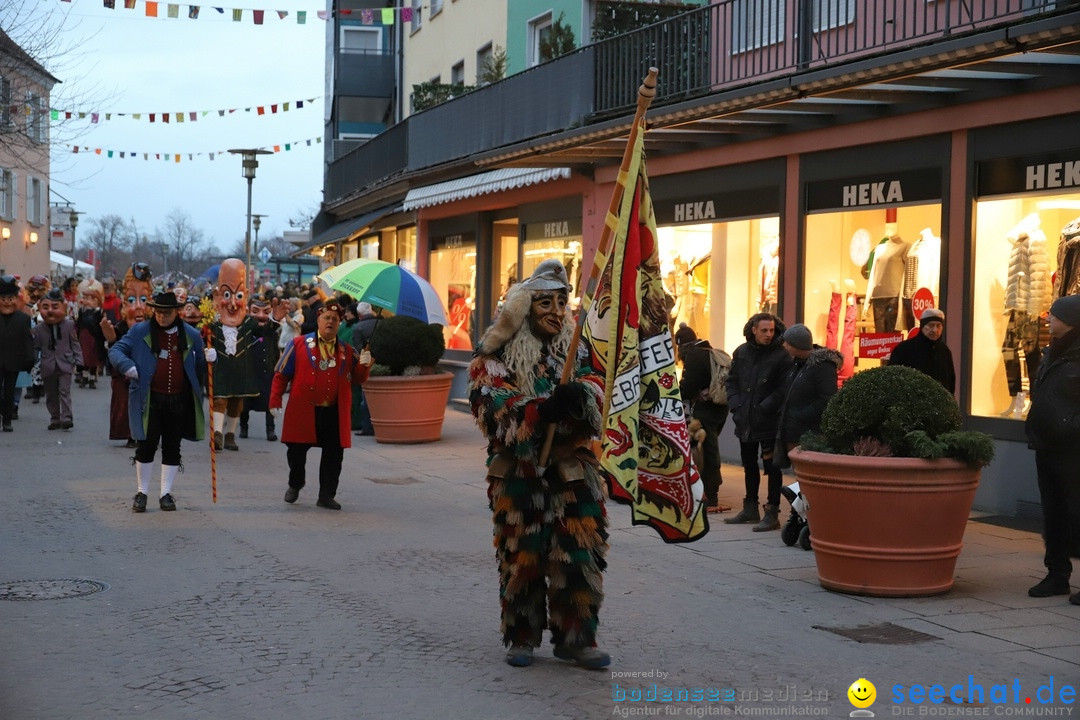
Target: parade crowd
(165,349)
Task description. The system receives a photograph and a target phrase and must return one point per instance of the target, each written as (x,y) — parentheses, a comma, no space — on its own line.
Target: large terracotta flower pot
(885,526)
(408,409)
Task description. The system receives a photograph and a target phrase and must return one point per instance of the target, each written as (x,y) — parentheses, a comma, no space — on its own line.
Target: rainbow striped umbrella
(388,286)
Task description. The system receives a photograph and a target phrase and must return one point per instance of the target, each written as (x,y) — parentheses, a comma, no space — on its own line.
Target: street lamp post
(73,220)
(249,161)
(256,222)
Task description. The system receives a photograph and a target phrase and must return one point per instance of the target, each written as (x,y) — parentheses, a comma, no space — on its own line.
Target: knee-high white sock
(168,474)
(219,422)
(142,476)
(231,423)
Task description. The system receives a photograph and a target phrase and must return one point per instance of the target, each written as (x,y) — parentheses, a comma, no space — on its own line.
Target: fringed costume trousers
(550,540)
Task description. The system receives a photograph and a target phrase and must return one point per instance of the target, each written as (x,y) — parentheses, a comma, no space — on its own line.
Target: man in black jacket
(16,347)
(755,390)
(927,351)
(1053,430)
(696,376)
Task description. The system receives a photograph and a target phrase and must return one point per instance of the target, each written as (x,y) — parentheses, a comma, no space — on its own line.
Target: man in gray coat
(61,353)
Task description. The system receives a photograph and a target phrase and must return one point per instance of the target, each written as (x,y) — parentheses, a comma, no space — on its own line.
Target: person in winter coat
(810,384)
(755,390)
(696,377)
(1053,431)
(927,351)
(361,336)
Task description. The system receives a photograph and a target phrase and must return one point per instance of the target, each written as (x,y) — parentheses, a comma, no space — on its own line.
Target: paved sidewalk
(388,609)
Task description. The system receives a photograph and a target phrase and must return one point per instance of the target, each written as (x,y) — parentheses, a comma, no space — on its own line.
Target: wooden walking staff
(646,93)
(206,307)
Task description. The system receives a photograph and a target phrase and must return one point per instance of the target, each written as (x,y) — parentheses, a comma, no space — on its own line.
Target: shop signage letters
(873,193)
(1030,173)
(1052,175)
(878,345)
(922,300)
(556,229)
(896,188)
(700,210)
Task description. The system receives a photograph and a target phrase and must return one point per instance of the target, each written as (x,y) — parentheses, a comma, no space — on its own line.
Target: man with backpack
(702,387)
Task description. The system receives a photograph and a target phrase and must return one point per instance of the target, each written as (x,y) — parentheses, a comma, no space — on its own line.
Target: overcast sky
(135,64)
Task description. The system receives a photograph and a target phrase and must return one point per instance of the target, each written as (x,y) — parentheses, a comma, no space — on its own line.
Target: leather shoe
(1074,599)
(67,425)
(167,503)
(218,440)
(138,504)
(329,504)
(291,494)
(1049,586)
(230,442)
(271,436)
(7,427)
(56,425)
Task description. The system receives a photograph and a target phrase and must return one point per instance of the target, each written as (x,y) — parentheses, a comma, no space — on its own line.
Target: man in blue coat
(165,363)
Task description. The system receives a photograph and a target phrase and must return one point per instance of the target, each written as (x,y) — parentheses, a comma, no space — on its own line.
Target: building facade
(24,162)
(842,164)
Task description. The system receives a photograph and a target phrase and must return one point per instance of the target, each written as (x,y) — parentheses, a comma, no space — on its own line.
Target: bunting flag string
(57,115)
(175,157)
(367,16)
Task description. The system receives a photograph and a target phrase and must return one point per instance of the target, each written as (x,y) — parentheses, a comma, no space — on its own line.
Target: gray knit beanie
(799,337)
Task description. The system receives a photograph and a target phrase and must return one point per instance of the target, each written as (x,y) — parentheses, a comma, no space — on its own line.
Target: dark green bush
(406,346)
(901,409)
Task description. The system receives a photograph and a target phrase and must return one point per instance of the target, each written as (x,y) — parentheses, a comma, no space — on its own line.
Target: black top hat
(164,301)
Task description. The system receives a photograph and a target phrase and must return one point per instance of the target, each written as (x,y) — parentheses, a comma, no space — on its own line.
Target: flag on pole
(645,442)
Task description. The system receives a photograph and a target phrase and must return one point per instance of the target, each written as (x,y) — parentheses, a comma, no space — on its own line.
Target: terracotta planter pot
(408,409)
(884,526)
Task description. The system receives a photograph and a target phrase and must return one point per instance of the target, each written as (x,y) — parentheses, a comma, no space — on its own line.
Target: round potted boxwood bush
(405,393)
(890,479)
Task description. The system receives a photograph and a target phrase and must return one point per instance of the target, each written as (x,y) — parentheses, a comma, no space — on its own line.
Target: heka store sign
(1031,173)
(886,190)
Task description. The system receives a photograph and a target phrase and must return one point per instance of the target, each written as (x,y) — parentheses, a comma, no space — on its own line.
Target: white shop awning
(483,184)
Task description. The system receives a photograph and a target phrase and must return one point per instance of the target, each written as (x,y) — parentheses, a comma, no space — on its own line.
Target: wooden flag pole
(646,93)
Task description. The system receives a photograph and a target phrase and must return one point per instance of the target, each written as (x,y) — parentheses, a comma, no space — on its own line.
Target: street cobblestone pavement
(252,608)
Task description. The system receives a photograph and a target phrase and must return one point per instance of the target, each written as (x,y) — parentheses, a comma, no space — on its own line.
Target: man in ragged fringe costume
(135,293)
(550,523)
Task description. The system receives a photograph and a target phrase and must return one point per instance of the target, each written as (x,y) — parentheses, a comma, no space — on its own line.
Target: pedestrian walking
(16,347)
(165,362)
(366,321)
(135,292)
(56,339)
(755,389)
(264,356)
(697,377)
(1053,431)
(321,372)
(550,522)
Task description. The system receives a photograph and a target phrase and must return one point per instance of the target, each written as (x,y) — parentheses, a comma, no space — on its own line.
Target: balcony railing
(723,46)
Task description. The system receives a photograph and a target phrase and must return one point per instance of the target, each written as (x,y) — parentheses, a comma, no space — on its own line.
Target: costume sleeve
(120,354)
(507,415)
(200,355)
(76,346)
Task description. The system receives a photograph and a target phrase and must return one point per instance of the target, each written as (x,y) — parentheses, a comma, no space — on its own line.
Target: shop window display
(453,275)
(868,275)
(719,274)
(1027,253)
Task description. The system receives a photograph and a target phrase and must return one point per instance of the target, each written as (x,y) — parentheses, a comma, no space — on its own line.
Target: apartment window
(7,194)
(416,22)
(756,23)
(830,14)
(36,127)
(484,57)
(457,73)
(360,40)
(436,7)
(35,201)
(539,29)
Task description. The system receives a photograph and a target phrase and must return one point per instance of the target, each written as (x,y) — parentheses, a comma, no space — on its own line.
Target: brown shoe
(218,441)
(230,442)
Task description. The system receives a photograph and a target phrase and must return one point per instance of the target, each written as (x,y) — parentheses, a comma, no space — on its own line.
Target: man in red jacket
(322,372)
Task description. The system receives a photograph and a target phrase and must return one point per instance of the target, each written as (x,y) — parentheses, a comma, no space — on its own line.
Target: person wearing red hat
(321,372)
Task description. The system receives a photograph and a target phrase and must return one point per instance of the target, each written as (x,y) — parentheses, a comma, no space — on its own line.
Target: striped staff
(206,307)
